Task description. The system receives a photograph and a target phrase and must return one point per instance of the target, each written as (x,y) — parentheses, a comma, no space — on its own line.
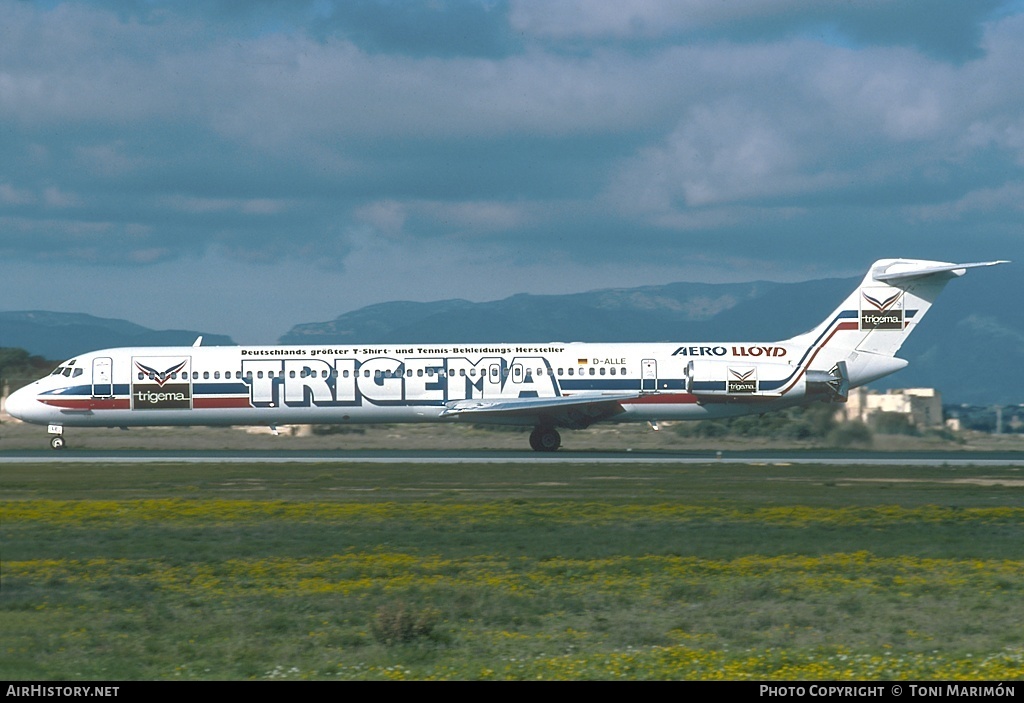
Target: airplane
(545,386)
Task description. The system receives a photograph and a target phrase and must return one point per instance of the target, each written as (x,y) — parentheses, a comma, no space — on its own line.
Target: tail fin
(870,326)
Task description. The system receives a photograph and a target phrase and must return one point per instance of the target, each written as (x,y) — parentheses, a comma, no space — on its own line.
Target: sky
(240,167)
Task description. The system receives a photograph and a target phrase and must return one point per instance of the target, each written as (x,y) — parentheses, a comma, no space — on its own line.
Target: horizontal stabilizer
(906,270)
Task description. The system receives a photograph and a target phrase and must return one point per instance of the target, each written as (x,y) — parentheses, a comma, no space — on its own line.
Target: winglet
(905,270)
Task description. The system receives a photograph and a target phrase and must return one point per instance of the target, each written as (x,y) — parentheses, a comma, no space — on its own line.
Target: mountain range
(970,347)
(60,335)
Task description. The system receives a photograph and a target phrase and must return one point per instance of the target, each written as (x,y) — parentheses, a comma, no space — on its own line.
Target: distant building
(922,406)
(998,419)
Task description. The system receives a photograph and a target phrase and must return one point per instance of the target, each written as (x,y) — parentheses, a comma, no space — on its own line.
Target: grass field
(348,571)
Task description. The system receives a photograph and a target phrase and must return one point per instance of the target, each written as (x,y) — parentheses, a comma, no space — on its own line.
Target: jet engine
(735,379)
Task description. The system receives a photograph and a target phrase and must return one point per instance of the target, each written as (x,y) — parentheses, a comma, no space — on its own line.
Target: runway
(1004,459)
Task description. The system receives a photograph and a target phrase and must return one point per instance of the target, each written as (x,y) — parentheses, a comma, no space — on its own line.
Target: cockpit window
(78,372)
(65,369)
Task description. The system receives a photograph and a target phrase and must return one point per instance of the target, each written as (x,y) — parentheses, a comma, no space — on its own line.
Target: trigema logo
(742,381)
(881,309)
(161,383)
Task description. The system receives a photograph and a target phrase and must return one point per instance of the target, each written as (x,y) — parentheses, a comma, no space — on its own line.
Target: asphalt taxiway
(1013,459)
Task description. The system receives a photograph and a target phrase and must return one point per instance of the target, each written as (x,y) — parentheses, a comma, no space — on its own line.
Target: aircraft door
(102,377)
(649,375)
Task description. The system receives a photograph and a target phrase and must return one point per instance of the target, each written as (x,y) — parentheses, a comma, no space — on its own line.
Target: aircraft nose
(20,404)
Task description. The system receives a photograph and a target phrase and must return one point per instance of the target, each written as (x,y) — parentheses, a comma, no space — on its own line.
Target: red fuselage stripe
(207,403)
(840,327)
(662,399)
(87,403)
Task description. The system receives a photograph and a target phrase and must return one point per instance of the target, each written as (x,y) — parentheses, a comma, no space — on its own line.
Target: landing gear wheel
(57,442)
(545,439)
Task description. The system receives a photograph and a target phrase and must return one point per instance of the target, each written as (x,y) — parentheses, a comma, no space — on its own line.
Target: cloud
(1007,199)
(598,135)
(9,195)
(948,29)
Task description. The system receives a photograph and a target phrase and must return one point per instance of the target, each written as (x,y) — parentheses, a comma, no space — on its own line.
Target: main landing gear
(545,439)
(57,442)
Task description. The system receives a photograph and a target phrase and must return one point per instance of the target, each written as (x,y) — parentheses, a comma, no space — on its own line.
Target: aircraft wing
(574,412)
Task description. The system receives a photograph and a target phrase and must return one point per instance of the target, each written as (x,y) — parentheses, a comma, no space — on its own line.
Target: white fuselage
(264,385)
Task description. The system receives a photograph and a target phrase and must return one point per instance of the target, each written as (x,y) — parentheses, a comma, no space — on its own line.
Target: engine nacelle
(831,386)
(716,377)
(723,379)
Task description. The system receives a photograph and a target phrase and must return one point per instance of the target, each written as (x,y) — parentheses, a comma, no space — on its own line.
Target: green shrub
(892,423)
(849,433)
(397,623)
(801,423)
(337,429)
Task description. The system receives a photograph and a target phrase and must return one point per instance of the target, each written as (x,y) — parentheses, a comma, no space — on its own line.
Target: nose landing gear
(57,441)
